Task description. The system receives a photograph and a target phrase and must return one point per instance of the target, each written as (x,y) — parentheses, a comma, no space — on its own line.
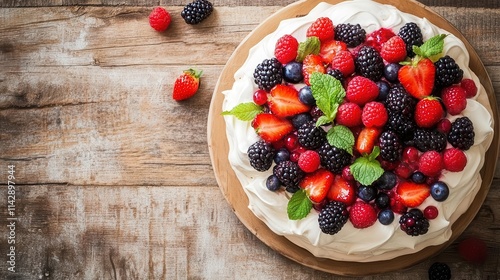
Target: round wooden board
(233,191)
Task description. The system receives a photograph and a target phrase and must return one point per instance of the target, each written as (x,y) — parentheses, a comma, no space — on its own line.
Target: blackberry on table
(369,63)
(414,223)
(398,100)
(351,34)
(391,147)
(289,174)
(447,72)
(439,271)
(333,158)
(412,36)
(428,140)
(196,11)
(268,73)
(333,217)
(337,74)
(462,134)
(261,155)
(310,136)
(403,125)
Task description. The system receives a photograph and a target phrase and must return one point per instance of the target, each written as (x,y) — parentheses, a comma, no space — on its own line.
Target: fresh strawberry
(374,114)
(284,101)
(394,50)
(454,99)
(470,87)
(418,77)
(286,49)
(367,139)
(342,191)
(412,194)
(473,250)
(317,184)
(362,214)
(330,48)
(186,85)
(431,163)
(321,28)
(343,61)
(312,63)
(270,127)
(349,114)
(309,161)
(454,160)
(428,112)
(397,205)
(159,19)
(361,90)
(378,37)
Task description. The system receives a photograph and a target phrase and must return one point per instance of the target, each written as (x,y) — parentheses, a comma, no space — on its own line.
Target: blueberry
(386,217)
(292,72)
(273,183)
(306,96)
(281,155)
(383,90)
(382,201)
(300,119)
(367,193)
(418,177)
(439,191)
(387,181)
(391,72)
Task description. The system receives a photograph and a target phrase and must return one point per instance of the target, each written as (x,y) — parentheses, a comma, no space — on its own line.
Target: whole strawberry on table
(354,125)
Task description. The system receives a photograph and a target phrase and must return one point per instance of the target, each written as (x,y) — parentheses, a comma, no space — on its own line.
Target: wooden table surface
(113,178)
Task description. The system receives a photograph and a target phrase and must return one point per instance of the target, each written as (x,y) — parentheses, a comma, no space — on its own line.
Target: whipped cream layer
(378,242)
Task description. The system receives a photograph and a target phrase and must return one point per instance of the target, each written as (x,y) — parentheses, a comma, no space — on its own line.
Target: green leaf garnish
(367,169)
(431,47)
(341,137)
(299,205)
(328,93)
(245,111)
(310,46)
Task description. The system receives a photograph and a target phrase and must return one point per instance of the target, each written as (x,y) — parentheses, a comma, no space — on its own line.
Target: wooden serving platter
(234,194)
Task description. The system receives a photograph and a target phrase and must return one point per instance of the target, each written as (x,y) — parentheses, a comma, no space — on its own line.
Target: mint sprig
(310,46)
(431,47)
(245,111)
(299,205)
(367,169)
(341,137)
(328,93)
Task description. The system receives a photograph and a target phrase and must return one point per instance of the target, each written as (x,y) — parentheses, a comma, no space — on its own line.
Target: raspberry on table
(333,217)
(351,34)
(196,11)
(159,19)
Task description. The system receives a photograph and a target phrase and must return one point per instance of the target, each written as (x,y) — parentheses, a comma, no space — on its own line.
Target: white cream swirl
(377,242)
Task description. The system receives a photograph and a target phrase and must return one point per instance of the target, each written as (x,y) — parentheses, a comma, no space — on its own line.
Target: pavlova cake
(358,131)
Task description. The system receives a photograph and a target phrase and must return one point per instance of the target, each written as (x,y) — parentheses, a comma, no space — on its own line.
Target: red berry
(270,127)
(473,250)
(412,194)
(260,97)
(454,99)
(349,114)
(159,19)
(470,87)
(431,212)
(394,50)
(344,61)
(418,77)
(430,163)
(291,142)
(294,156)
(284,101)
(378,37)
(286,49)
(410,154)
(312,63)
(428,112)
(317,184)
(362,215)
(186,85)
(366,140)
(309,161)
(454,160)
(346,174)
(342,190)
(403,170)
(374,114)
(361,90)
(444,126)
(330,48)
(321,28)
(397,205)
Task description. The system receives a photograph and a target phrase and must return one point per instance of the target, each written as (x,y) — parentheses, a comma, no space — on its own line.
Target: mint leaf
(367,169)
(299,205)
(341,137)
(431,47)
(244,111)
(328,93)
(310,46)
(323,120)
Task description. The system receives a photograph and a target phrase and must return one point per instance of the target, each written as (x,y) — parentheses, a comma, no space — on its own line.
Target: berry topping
(414,223)
(286,49)
(261,155)
(260,97)
(439,271)
(333,158)
(311,136)
(454,160)
(292,72)
(289,174)
(412,36)
(349,114)
(281,155)
(394,50)
(374,114)
(333,217)
(431,212)
(387,181)
(268,73)
(284,101)
(186,85)
(273,183)
(428,112)
(361,90)
(473,250)
(428,140)
(362,215)
(470,87)
(378,37)
(197,11)
(342,190)
(344,62)
(270,127)
(447,72)
(439,191)
(454,99)
(317,184)
(321,28)
(391,147)
(159,19)
(367,139)
(306,97)
(351,34)
(461,133)
(329,49)
(312,63)
(386,217)
(369,63)
(412,194)
(309,161)
(367,193)
(398,100)
(301,119)
(430,163)
(418,77)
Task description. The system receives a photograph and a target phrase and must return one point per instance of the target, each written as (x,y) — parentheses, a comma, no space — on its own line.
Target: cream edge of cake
(378,242)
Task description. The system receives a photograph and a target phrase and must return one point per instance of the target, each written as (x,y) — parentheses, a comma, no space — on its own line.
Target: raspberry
(344,62)
(321,28)
(430,163)
(473,250)
(394,50)
(454,160)
(309,161)
(378,37)
(361,90)
(444,126)
(428,112)
(374,114)
(470,87)
(454,99)
(349,114)
(159,19)
(286,49)
(362,215)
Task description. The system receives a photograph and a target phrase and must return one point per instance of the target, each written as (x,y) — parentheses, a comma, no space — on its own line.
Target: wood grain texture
(115,177)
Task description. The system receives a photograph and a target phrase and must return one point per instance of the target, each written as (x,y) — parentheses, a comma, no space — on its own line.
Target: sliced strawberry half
(270,127)
(330,48)
(285,102)
(412,194)
(312,63)
(317,184)
(342,191)
(367,139)
(418,77)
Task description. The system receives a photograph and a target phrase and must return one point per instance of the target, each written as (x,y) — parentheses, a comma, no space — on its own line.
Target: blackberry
(336,74)
(403,125)
(261,155)
(412,36)
(428,140)
(439,271)
(369,63)
(398,100)
(351,34)
(333,158)
(196,11)
(461,135)
(333,217)
(268,73)
(414,223)
(310,136)
(447,72)
(289,174)
(391,147)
